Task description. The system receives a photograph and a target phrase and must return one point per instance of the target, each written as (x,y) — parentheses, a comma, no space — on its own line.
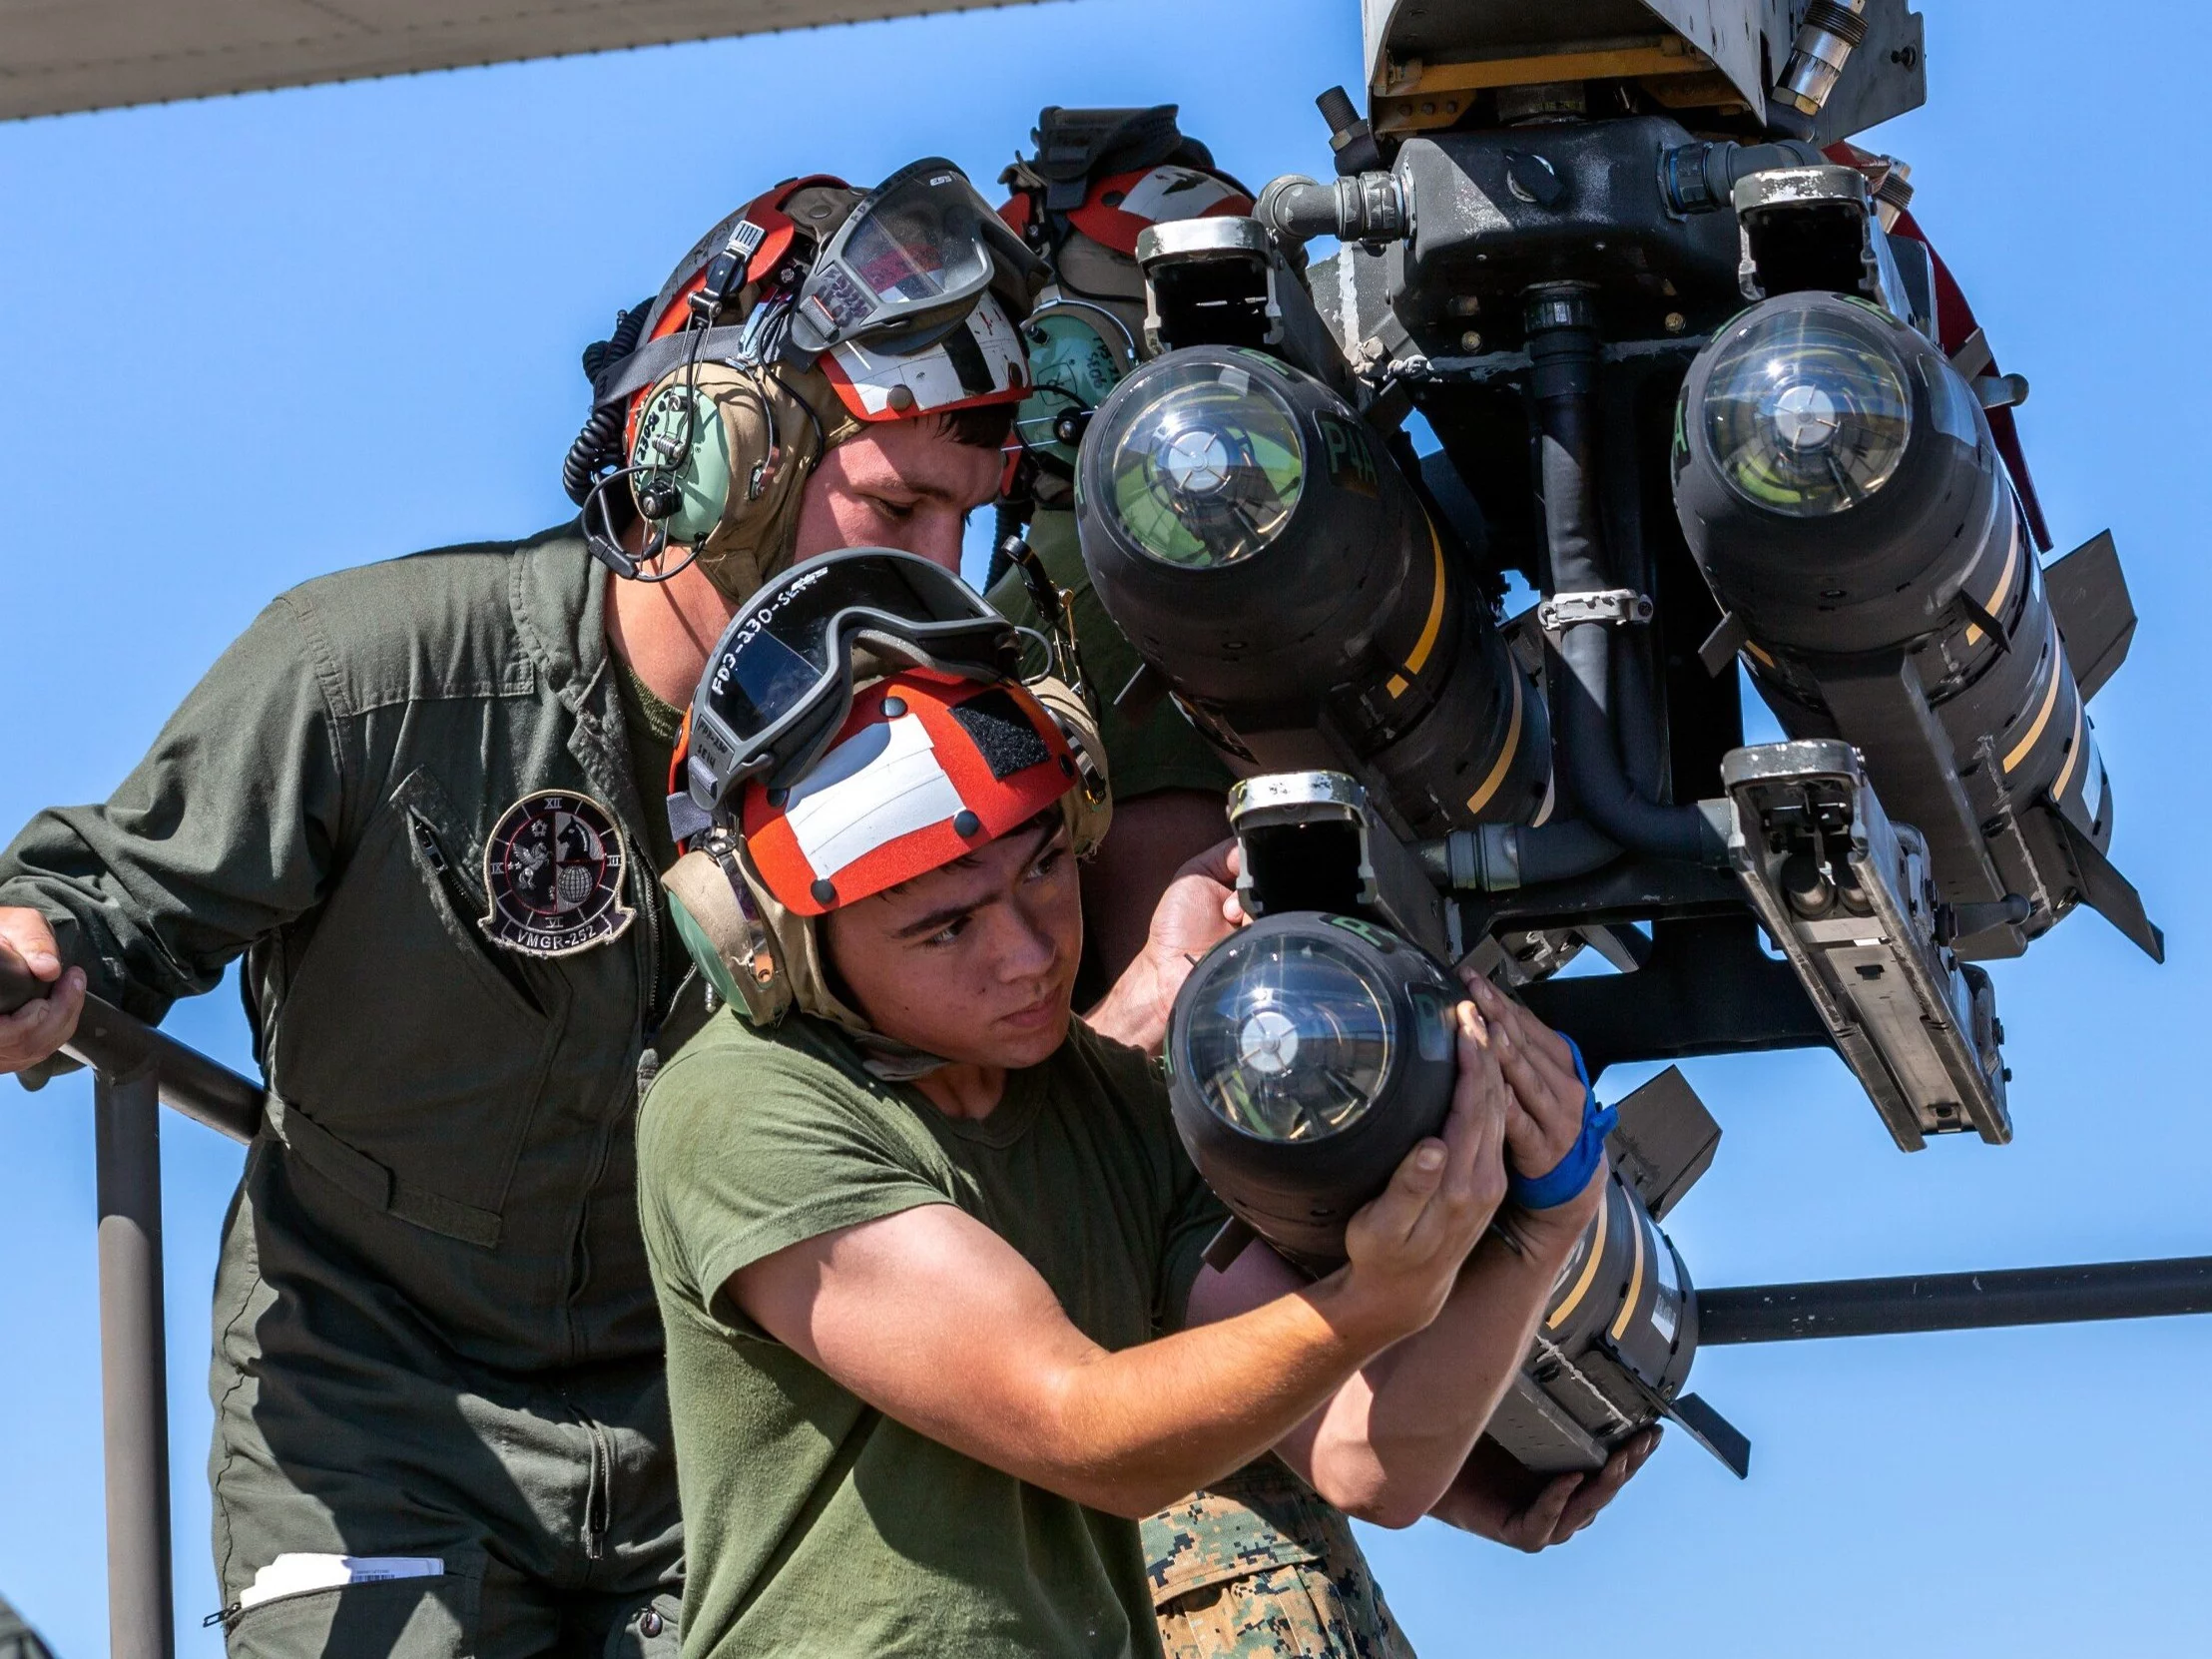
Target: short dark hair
(980,426)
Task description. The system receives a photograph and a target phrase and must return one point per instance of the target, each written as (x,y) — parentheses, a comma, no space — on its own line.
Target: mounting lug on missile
(1611,605)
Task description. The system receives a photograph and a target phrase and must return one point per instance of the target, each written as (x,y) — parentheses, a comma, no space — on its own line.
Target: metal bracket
(1312,841)
(1846,895)
(1609,605)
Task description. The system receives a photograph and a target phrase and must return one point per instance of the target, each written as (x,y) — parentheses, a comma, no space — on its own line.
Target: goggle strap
(964,639)
(656,357)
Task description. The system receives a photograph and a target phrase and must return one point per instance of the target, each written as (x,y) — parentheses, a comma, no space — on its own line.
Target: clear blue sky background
(250,340)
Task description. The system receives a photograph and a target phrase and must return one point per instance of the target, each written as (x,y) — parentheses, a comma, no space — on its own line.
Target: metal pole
(133,1351)
(111,1041)
(1956,1301)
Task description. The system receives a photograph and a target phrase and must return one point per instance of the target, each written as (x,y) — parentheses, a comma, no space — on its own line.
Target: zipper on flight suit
(646,1031)
(467,907)
(599,1498)
(649,1020)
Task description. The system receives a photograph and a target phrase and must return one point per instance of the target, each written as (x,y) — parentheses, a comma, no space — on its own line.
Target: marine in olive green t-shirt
(815,1525)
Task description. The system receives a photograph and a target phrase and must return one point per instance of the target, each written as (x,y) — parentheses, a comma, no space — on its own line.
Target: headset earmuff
(723,929)
(676,450)
(1089,806)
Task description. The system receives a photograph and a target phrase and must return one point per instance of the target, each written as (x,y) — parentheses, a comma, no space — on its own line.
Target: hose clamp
(1614,606)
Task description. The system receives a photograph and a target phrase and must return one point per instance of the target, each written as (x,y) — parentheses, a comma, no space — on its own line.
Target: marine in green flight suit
(425,802)
(434,1339)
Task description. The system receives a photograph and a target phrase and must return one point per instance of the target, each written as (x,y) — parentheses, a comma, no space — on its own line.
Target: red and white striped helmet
(1118,209)
(980,361)
(924,771)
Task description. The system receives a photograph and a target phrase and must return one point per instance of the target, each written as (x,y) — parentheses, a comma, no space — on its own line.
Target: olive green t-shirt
(816,1526)
(1163,750)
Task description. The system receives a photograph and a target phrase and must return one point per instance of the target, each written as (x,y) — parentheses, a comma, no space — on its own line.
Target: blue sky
(258,338)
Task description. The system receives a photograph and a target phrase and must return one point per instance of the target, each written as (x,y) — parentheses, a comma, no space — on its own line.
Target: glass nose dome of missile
(1808,412)
(1205,468)
(1288,1040)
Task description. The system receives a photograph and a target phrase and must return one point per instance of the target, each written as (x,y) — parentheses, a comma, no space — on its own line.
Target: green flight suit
(435,1332)
(1160,751)
(1257,1567)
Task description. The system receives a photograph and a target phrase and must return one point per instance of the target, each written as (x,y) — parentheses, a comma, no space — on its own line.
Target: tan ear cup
(1104,278)
(758,955)
(723,928)
(746,476)
(1090,805)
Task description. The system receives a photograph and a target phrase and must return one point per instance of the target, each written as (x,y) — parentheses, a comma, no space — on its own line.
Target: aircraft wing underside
(98,54)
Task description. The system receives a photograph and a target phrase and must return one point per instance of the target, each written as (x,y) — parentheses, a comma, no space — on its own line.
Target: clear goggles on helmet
(907,264)
(780,682)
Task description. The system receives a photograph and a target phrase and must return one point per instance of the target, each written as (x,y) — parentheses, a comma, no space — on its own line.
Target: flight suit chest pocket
(450,860)
(412,1061)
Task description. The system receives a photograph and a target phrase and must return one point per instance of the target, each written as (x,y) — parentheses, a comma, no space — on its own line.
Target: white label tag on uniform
(292,1574)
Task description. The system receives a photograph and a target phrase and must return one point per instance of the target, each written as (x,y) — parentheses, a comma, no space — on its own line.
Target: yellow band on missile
(2042,715)
(2073,757)
(1482,796)
(1418,660)
(1565,1311)
(1627,1314)
(2004,584)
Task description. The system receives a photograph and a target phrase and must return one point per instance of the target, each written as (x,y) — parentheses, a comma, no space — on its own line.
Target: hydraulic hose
(1563,351)
(1702,178)
(1501,857)
(1365,207)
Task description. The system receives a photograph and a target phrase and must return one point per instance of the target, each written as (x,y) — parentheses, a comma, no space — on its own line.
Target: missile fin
(2097,617)
(1711,1430)
(1665,1140)
(2106,891)
(1226,1246)
(1718,653)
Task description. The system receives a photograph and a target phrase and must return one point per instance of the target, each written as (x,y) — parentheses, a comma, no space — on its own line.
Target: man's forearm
(935,1320)
(1138,1428)
(1392,1439)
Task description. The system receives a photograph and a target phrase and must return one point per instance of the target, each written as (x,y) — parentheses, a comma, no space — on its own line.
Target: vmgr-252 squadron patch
(554,867)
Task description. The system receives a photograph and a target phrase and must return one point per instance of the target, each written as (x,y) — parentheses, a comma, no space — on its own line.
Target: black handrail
(1956,1301)
(135,1069)
(115,1044)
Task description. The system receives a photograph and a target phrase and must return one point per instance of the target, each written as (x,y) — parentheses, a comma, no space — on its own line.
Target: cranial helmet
(860,724)
(811,312)
(1097,180)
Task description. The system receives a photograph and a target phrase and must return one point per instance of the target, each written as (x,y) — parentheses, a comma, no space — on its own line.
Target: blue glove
(1572,1173)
